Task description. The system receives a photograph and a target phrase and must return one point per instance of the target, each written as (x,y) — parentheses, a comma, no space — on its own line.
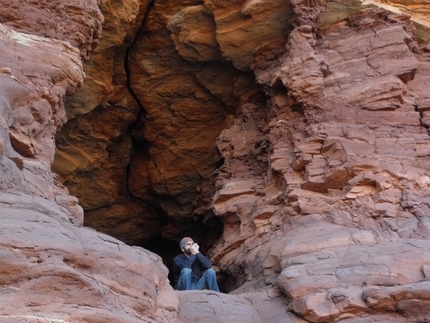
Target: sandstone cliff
(288,137)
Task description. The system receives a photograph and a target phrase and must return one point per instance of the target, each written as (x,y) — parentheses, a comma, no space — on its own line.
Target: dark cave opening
(167,249)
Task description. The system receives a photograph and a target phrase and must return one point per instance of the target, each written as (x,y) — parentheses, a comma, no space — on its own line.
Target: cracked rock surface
(289,138)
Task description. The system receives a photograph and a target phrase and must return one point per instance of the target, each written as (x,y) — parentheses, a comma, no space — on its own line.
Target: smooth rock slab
(213,307)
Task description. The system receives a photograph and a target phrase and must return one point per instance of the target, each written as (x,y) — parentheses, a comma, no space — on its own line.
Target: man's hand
(194,249)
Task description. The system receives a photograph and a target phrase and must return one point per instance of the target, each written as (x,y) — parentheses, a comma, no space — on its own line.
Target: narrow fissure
(165,243)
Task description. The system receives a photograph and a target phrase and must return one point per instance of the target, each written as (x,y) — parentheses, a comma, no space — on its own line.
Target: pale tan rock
(315,308)
(209,306)
(32,103)
(193,32)
(242,27)
(77,22)
(61,272)
(418,10)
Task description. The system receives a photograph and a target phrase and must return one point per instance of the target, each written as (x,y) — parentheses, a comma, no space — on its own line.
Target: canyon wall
(289,138)
(53,269)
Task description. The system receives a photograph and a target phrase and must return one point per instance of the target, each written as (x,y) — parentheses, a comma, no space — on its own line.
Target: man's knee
(211,272)
(211,280)
(184,280)
(186,272)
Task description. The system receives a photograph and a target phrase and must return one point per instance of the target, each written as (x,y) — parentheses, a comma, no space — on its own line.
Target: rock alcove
(289,138)
(139,149)
(177,101)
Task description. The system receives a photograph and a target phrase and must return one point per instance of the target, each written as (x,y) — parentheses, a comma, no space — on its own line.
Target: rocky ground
(289,138)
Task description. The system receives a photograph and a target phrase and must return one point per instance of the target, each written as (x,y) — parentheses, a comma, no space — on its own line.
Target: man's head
(186,244)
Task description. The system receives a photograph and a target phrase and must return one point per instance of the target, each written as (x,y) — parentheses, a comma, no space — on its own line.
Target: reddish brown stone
(323,188)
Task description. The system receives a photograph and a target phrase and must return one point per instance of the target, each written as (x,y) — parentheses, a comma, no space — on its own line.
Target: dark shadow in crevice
(205,233)
(166,249)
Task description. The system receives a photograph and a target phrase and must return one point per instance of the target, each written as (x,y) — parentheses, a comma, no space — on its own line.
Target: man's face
(187,247)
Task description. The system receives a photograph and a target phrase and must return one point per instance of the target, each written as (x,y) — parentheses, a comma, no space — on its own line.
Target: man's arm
(205,263)
(180,262)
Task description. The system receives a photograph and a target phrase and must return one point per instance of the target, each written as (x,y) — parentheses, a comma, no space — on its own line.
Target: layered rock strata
(309,143)
(336,219)
(102,113)
(182,72)
(53,269)
(32,93)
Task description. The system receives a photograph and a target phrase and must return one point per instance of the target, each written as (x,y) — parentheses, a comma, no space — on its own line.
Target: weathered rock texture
(337,218)
(292,136)
(96,173)
(78,21)
(53,269)
(33,87)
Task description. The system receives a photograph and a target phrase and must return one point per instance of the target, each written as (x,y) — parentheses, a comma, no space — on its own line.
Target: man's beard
(187,251)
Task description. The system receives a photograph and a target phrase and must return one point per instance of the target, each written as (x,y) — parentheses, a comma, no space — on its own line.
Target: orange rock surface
(289,138)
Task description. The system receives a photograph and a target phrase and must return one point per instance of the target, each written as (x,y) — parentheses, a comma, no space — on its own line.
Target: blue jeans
(207,281)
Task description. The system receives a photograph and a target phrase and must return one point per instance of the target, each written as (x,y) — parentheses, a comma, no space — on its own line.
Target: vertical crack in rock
(187,104)
(95,146)
(317,176)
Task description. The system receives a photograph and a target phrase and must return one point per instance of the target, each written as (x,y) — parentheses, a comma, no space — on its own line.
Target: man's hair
(184,241)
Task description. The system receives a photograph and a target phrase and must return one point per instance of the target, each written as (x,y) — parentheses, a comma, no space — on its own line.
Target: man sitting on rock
(192,270)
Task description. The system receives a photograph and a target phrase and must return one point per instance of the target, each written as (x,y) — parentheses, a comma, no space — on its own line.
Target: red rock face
(55,270)
(187,104)
(346,178)
(32,110)
(299,126)
(76,21)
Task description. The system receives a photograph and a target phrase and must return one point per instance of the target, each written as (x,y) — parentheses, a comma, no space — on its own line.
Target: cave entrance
(205,235)
(166,249)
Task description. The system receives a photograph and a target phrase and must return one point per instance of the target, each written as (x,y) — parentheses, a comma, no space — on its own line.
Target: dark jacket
(197,263)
